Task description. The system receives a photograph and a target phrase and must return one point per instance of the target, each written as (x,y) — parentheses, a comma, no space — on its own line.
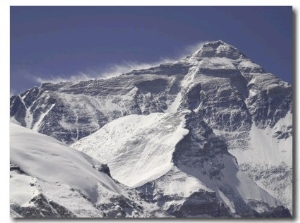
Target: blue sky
(50,43)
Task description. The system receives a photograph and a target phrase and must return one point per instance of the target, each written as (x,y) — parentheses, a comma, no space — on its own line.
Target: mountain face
(209,135)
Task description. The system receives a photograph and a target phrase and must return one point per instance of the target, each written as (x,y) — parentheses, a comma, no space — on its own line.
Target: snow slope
(44,170)
(268,158)
(265,148)
(48,159)
(137,148)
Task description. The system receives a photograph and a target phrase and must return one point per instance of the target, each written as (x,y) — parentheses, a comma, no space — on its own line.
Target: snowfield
(137,148)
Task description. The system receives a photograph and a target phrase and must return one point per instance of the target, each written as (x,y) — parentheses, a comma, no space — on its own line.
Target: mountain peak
(216,43)
(219,48)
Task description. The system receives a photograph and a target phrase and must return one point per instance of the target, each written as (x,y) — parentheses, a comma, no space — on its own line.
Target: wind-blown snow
(137,148)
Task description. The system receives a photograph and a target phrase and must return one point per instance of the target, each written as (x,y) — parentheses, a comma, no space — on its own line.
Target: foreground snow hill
(187,172)
(50,180)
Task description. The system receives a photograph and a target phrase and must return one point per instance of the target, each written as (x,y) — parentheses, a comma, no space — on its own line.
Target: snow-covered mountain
(209,135)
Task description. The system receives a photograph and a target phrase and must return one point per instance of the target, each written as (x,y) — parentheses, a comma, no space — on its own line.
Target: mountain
(212,130)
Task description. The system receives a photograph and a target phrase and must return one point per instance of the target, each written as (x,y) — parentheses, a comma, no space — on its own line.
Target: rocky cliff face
(237,117)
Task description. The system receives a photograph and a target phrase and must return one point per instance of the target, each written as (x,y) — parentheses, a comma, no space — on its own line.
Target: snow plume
(127,66)
(56,79)
(114,69)
(12,92)
(191,49)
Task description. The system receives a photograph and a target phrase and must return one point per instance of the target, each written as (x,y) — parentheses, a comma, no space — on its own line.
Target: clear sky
(62,42)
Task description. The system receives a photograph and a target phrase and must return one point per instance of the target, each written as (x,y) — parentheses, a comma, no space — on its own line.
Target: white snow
(28,117)
(253,92)
(71,199)
(178,183)
(226,201)
(20,189)
(248,64)
(265,149)
(263,153)
(175,104)
(224,48)
(47,159)
(188,79)
(217,63)
(184,187)
(13,120)
(137,148)
(37,124)
(186,84)
(244,185)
